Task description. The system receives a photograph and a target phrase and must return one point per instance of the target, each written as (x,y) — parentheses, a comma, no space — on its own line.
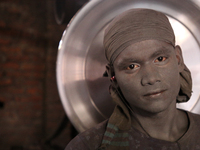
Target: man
(148,77)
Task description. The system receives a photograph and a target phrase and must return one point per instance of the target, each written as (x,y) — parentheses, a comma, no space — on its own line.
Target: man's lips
(154,93)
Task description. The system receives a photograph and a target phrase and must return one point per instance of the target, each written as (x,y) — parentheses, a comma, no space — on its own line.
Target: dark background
(30,107)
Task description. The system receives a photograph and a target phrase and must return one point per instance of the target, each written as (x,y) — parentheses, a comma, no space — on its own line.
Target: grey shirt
(92,138)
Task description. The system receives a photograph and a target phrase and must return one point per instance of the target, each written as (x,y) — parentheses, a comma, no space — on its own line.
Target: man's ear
(108,70)
(111,73)
(179,57)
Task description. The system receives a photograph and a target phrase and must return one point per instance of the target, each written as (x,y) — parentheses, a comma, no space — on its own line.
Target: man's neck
(169,125)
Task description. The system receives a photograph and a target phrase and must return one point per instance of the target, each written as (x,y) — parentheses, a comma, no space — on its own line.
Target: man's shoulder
(100,127)
(96,132)
(89,139)
(195,117)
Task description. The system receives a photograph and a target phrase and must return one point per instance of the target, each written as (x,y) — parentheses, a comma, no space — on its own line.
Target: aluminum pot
(81,62)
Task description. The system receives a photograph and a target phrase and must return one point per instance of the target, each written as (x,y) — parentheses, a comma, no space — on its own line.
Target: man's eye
(160,59)
(132,66)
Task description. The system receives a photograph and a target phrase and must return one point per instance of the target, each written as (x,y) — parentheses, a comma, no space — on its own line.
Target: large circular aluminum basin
(81,62)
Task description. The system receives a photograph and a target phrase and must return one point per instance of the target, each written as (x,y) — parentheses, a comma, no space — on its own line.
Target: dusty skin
(150,69)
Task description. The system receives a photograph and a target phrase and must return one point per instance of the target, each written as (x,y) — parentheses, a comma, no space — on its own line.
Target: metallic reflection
(81,63)
(191,54)
(197,2)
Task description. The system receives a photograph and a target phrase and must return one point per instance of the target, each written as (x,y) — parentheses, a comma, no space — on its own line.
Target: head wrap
(133,26)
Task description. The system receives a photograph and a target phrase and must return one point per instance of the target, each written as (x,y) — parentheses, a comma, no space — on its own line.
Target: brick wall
(30,108)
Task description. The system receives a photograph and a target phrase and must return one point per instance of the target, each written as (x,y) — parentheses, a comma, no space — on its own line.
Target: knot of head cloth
(137,25)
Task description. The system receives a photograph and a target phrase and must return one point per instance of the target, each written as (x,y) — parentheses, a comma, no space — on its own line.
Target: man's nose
(150,75)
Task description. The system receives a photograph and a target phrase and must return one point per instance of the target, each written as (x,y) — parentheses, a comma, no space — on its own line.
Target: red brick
(2,23)
(16,49)
(36,98)
(21,99)
(34,91)
(4,98)
(51,75)
(29,98)
(11,50)
(14,90)
(51,58)
(37,107)
(29,74)
(17,91)
(32,82)
(23,58)
(38,75)
(38,51)
(14,10)
(17,58)
(29,66)
(10,32)
(9,65)
(2,73)
(3,41)
(30,114)
(5,81)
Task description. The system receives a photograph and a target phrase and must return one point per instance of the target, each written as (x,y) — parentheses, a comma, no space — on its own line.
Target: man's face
(147,74)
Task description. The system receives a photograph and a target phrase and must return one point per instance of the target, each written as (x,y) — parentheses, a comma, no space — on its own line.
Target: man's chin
(151,111)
